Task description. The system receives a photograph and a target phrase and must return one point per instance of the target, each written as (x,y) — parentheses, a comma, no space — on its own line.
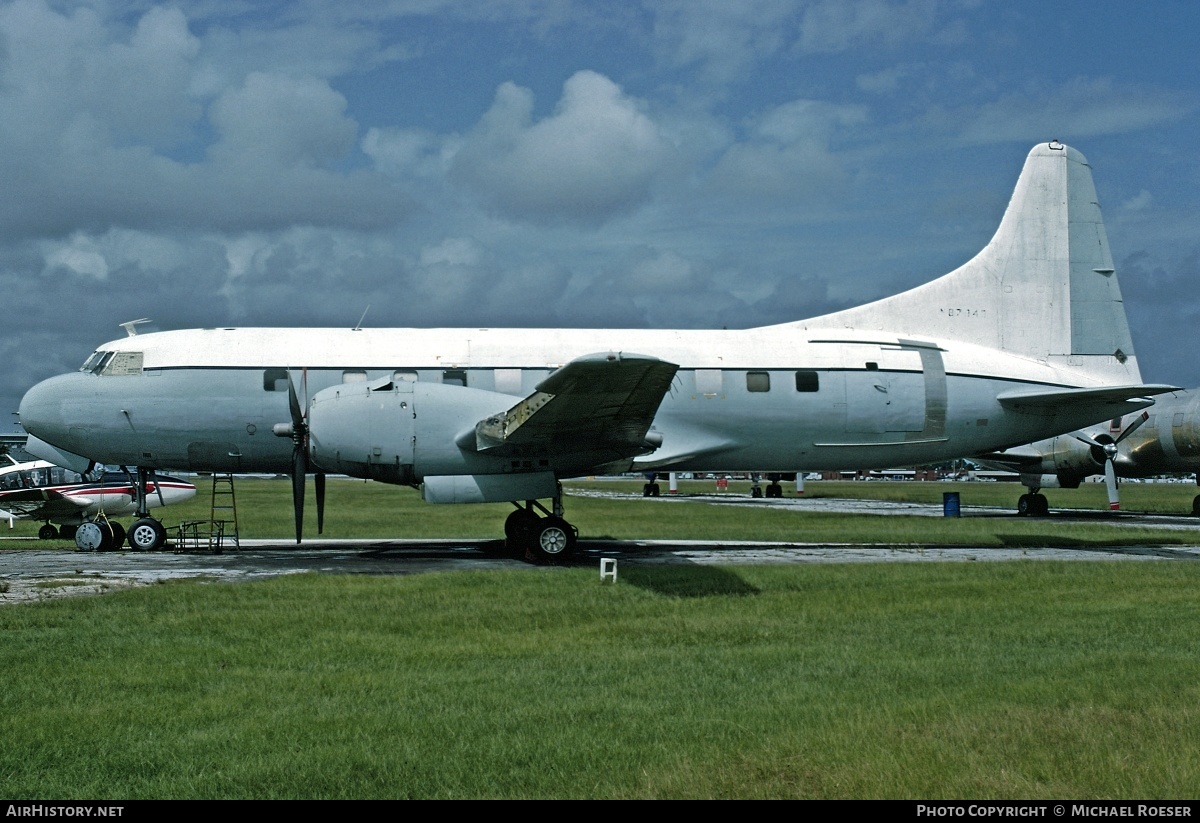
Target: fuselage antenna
(364,316)
(130,326)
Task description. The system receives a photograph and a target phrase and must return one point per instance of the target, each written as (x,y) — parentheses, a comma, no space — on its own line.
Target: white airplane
(1026,340)
(1162,440)
(82,504)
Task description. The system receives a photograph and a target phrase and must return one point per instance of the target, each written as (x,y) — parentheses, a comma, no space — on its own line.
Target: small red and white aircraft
(81,504)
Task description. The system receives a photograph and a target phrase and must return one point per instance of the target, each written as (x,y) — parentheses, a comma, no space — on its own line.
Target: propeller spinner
(1106,451)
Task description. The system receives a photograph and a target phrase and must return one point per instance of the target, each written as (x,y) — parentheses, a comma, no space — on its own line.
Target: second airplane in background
(1161,440)
(1025,341)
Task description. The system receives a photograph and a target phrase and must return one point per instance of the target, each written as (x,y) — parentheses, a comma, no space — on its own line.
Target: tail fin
(1043,288)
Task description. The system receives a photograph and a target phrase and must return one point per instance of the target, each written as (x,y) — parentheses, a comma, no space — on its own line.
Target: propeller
(298,431)
(1106,451)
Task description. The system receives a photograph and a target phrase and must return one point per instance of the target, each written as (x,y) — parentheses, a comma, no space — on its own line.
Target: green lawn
(359,509)
(956,680)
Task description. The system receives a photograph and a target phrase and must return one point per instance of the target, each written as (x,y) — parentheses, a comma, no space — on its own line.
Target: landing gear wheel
(47,532)
(118,535)
(93,537)
(1023,505)
(519,526)
(553,539)
(774,490)
(1041,506)
(147,535)
(1196,505)
(651,490)
(756,491)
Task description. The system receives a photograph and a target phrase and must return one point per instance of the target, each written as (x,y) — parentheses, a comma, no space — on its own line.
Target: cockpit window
(114,363)
(124,363)
(96,362)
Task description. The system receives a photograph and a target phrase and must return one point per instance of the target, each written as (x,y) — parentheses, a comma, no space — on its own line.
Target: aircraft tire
(1041,506)
(553,539)
(774,490)
(655,490)
(118,535)
(1024,505)
(1196,505)
(756,491)
(519,527)
(93,537)
(47,532)
(147,535)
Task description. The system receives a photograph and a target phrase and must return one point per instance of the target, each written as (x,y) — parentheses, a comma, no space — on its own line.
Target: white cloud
(788,153)
(594,158)
(1073,109)
(836,25)
(281,122)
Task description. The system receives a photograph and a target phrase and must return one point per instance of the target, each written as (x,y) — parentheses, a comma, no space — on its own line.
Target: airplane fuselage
(770,399)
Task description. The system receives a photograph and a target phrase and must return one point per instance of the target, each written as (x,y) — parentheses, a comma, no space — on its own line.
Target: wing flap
(596,403)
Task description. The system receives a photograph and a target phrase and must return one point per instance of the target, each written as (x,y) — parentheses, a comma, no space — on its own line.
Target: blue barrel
(950,504)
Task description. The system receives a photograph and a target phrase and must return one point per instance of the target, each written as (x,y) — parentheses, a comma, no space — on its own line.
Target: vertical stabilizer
(1044,287)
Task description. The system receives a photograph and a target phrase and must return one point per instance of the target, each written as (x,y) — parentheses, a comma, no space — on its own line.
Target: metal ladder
(223,513)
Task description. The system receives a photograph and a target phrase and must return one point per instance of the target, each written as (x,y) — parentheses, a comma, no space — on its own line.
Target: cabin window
(404,376)
(807,381)
(872,365)
(354,376)
(275,380)
(454,377)
(508,381)
(758,381)
(708,381)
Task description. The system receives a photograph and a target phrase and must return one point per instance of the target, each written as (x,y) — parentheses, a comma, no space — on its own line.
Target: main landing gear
(773,488)
(101,534)
(1033,504)
(544,538)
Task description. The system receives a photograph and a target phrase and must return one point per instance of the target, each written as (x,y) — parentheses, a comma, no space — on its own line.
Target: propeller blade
(1132,427)
(294,405)
(298,476)
(1110,481)
(320,488)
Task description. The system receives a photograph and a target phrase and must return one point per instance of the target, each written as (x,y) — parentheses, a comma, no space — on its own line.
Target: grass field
(358,509)
(1019,679)
(956,680)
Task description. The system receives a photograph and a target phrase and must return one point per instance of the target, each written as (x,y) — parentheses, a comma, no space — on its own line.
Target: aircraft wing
(600,405)
(1042,400)
(42,504)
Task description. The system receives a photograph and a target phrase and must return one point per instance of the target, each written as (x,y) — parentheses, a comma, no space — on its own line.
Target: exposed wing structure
(598,404)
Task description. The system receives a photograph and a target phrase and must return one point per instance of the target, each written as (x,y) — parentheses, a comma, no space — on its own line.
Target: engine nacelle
(1073,459)
(399,432)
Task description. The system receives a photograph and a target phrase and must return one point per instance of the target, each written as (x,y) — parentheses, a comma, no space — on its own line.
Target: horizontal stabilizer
(1016,459)
(1042,400)
(598,401)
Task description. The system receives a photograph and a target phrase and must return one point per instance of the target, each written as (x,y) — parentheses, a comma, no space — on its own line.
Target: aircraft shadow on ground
(687,581)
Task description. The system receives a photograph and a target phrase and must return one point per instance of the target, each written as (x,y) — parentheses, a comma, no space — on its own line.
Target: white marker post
(608,569)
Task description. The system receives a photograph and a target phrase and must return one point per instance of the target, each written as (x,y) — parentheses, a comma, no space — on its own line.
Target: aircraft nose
(41,409)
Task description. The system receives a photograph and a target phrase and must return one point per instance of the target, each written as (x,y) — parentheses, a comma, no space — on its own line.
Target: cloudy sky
(690,163)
